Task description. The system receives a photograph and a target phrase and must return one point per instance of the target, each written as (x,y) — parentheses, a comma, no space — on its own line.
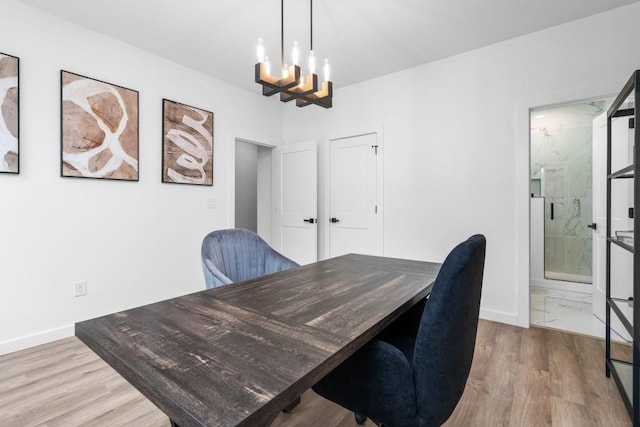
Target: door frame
(324,209)
(522,154)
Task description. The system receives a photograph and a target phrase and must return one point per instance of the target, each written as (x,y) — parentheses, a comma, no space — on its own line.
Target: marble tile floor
(565,310)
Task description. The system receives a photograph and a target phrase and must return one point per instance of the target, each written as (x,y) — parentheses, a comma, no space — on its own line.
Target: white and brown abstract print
(99,129)
(187,146)
(9,67)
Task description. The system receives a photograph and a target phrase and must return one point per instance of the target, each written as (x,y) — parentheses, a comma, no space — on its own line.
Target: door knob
(593,226)
(310,220)
(334,220)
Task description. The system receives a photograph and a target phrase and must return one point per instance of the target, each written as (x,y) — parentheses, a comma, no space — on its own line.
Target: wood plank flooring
(520,377)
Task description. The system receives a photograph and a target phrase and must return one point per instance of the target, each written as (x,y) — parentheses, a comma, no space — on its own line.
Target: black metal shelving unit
(625,373)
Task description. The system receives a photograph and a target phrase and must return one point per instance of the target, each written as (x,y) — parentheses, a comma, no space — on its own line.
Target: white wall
(456,163)
(133,242)
(456,138)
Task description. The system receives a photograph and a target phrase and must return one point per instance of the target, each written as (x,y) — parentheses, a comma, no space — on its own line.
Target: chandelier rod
(281,34)
(311,23)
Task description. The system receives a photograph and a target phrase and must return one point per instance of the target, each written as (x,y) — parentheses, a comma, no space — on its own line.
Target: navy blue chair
(237,254)
(414,373)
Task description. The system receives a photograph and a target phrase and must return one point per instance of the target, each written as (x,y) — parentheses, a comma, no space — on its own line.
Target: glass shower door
(561,159)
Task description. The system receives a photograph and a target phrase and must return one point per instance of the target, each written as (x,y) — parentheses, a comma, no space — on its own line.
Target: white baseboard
(21,343)
(501,317)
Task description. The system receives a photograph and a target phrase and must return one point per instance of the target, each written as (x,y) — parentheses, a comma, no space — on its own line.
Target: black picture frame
(9,114)
(187,144)
(99,129)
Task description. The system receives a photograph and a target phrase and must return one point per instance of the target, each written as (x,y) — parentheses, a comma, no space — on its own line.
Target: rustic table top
(238,354)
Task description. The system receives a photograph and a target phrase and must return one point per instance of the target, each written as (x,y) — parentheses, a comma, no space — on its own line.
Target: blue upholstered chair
(414,373)
(237,254)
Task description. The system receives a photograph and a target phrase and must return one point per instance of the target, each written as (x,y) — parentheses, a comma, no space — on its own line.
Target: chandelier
(306,90)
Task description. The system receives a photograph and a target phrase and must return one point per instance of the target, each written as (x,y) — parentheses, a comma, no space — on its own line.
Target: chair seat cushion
(377,381)
(405,344)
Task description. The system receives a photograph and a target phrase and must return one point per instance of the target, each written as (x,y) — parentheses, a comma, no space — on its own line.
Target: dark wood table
(239,354)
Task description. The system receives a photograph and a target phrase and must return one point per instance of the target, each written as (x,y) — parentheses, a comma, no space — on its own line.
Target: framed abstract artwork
(99,129)
(9,114)
(187,144)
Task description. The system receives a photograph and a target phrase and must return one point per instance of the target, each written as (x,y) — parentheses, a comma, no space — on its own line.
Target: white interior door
(621,262)
(356,196)
(599,214)
(295,200)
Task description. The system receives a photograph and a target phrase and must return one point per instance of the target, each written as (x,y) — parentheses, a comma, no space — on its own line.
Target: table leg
(291,405)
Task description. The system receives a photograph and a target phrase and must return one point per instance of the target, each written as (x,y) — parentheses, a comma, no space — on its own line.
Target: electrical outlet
(212,204)
(80,288)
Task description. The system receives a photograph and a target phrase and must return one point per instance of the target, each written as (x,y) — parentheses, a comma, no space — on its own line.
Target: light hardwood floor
(520,377)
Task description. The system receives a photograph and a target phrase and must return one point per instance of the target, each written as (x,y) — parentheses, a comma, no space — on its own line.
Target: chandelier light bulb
(295,54)
(260,50)
(312,62)
(301,81)
(285,71)
(267,65)
(327,70)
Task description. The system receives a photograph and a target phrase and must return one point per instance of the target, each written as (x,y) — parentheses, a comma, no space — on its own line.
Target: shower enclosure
(561,181)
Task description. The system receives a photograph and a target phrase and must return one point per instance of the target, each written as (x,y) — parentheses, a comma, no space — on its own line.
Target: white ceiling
(363,39)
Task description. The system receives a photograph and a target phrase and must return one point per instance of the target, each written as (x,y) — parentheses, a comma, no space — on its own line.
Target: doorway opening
(253,187)
(562,200)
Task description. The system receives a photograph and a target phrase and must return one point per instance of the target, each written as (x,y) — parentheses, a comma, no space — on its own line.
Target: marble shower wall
(561,168)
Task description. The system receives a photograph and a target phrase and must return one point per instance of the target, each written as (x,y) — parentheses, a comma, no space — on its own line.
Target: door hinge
(376,209)
(375,147)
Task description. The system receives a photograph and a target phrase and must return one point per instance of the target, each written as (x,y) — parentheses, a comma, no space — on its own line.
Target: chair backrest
(235,255)
(447,334)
